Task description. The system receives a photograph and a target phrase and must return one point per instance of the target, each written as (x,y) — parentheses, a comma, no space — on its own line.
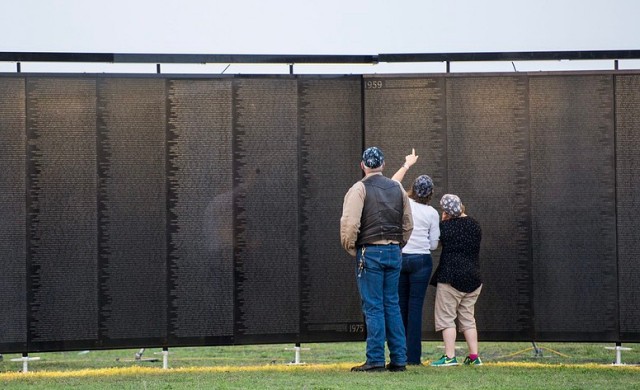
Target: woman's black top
(460,257)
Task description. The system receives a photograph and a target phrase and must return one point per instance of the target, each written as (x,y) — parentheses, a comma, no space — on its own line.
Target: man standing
(376,222)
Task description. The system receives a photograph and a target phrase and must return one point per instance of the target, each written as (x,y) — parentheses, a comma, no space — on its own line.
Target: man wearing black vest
(376,222)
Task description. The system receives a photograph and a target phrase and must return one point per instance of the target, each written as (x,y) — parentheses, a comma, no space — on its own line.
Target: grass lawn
(507,366)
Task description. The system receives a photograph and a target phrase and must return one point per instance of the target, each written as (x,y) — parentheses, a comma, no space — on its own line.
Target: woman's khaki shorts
(451,304)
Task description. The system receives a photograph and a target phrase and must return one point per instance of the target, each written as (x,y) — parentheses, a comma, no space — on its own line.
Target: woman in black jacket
(458,280)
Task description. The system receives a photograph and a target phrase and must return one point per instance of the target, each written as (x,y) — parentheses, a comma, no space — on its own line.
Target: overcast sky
(317,27)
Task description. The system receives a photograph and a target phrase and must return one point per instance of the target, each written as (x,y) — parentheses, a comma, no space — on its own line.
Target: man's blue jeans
(378,286)
(412,288)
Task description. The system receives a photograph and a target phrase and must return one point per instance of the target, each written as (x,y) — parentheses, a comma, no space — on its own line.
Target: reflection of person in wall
(458,280)
(376,222)
(416,258)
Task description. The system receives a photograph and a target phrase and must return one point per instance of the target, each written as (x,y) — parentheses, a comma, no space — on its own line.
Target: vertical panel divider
(532,322)
(169,201)
(234,201)
(301,159)
(614,80)
(100,269)
(27,242)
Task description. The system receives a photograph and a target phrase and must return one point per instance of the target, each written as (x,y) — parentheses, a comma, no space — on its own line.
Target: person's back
(461,236)
(426,230)
(382,212)
(460,257)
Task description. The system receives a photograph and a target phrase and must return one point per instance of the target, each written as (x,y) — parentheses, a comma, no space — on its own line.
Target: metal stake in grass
(297,349)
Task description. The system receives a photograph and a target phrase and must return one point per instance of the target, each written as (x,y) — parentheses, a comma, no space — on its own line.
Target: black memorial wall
(534,157)
(175,211)
(170,210)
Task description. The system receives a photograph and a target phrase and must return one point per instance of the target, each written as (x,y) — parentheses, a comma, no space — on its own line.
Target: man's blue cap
(372,157)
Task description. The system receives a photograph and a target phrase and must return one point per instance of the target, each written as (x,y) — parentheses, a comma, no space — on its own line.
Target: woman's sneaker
(444,361)
(474,362)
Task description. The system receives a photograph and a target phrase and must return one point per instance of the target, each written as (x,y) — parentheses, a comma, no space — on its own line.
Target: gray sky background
(318,27)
